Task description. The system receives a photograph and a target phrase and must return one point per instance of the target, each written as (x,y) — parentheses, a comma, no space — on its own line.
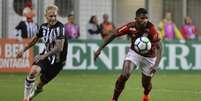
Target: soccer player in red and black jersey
(148,62)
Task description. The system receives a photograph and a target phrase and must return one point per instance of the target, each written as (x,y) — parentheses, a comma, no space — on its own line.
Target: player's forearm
(58,48)
(159,53)
(52,52)
(34,40)
(112,37)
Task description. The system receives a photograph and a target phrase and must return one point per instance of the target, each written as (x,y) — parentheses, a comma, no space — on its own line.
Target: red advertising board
(8,51)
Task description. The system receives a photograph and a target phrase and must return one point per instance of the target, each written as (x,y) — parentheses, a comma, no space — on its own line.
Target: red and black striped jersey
(134,32)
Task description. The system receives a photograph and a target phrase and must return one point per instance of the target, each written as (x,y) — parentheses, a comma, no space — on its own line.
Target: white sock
(28,86)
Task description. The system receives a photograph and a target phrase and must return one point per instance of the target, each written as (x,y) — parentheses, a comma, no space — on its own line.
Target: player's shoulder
(153,31)
(43,26)
(131,23)
(22,22)
(59,24)
(150,25)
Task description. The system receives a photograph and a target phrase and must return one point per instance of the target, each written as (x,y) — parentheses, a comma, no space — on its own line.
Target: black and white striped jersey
(48,35)
(28,29)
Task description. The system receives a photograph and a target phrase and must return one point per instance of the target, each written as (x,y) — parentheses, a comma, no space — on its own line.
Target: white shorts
(144,63)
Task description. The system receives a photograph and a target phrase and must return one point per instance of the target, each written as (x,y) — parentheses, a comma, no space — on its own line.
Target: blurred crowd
(102,30)
(169,30)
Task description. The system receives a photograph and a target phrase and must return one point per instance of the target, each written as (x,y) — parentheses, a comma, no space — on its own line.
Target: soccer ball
(142,45)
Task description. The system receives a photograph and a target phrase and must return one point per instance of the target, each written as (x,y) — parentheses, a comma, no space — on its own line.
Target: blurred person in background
(93,28)
(50,62)
(106,27)
(72,30)
(27,27)
(168,29)
(188,30)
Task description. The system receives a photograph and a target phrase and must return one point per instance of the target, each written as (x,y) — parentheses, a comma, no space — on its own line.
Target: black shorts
(48,70)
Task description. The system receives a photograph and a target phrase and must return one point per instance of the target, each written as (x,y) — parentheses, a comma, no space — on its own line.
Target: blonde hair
(26,10)
(51,7)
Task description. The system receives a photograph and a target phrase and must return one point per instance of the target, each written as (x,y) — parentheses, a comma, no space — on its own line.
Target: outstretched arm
(97,53)
(30,44)
(116,33)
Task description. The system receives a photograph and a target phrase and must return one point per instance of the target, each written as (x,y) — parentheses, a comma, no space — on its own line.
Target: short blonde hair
(51,7)
(26,10)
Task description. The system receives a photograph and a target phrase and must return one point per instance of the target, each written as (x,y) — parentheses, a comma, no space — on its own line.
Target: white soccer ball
(142,45)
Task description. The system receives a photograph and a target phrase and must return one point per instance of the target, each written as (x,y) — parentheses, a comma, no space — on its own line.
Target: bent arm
(116,33)
(34,40)
(57,48)
(159,50)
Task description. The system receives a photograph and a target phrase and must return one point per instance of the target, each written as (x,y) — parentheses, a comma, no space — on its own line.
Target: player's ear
(136,18)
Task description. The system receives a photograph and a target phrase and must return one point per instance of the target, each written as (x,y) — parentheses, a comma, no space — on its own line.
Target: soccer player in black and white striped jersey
(50,62)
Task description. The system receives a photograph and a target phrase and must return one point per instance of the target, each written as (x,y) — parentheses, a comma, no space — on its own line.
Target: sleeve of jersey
(19,26)
(122,30)
(60,30)
(155,34)
(40,32)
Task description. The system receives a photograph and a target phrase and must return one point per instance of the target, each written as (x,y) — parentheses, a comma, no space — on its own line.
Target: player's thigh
(48,73)
(35,70)
(128,67)
(146,65)
(133,57)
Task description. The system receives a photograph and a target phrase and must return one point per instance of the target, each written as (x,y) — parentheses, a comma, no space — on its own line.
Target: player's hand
(37,58)
(154,69)
(96,54)
(19,54)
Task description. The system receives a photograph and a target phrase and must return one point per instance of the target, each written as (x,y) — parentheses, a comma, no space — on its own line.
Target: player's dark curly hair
(141,12)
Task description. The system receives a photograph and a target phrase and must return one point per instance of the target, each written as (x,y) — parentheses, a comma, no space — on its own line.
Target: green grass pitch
(93,86)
